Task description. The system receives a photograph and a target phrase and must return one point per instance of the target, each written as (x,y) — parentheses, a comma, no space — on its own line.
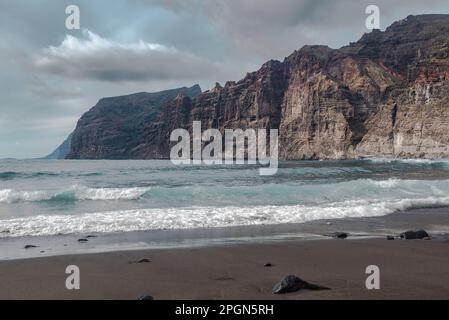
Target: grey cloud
(273,28)
(94,57)
(42,88)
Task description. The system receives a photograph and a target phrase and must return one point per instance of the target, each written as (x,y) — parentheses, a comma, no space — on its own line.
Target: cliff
(113,128)
(385,95)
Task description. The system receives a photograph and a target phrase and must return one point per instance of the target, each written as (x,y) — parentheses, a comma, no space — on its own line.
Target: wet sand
(409,269)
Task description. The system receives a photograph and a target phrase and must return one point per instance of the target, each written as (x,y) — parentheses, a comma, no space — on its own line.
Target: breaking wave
(74,193)
(196,217)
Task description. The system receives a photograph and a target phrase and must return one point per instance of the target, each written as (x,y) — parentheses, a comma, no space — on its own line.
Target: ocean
(70,197)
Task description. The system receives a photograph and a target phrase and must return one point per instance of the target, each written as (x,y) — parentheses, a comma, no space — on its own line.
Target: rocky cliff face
(113,128)
(385,95)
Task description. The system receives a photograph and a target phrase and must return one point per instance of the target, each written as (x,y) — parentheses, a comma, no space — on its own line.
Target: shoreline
(434,220)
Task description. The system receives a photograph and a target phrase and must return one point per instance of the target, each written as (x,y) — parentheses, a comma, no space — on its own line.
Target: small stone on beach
(82,240)
(340,235)
(146,297)
(29,246)
(268,265)
(143,261)
(390,237)
(410,235)
(292,283)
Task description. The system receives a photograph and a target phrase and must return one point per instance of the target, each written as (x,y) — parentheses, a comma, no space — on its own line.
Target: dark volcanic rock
(268,265)
(419,234)
(82,240)
(292,283)
(146,297)
(30,246)
(390,237)
(340,235)
(384,95)
(143,261)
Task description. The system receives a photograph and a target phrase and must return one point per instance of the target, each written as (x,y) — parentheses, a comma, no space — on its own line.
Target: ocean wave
(390,183)
(444,162)
(8,175)
(299,192)
(74,193)
(197,217)
(11,175)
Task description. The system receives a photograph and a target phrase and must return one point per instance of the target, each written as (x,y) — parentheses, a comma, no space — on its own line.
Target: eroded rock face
(385,95)
(113,128)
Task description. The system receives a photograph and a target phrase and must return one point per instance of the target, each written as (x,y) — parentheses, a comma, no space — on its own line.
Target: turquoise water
(50,197)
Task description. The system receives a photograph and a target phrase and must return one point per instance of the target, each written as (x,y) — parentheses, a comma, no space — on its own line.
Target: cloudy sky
(50,75)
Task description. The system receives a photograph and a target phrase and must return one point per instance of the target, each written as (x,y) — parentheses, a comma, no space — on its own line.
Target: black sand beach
(233,269)
(409,269)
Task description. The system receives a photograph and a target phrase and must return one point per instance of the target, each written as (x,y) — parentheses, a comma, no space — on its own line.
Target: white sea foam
(84,193)
(10,196)
(409,161)
(196,217)
(390,183)
(73,193)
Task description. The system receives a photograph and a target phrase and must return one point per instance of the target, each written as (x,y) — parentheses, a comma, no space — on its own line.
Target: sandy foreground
(409,269)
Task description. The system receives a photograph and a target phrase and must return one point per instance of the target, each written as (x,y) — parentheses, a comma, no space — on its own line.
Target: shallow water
(54,197)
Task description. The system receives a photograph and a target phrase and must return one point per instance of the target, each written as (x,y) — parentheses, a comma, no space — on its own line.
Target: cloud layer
(97,58)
